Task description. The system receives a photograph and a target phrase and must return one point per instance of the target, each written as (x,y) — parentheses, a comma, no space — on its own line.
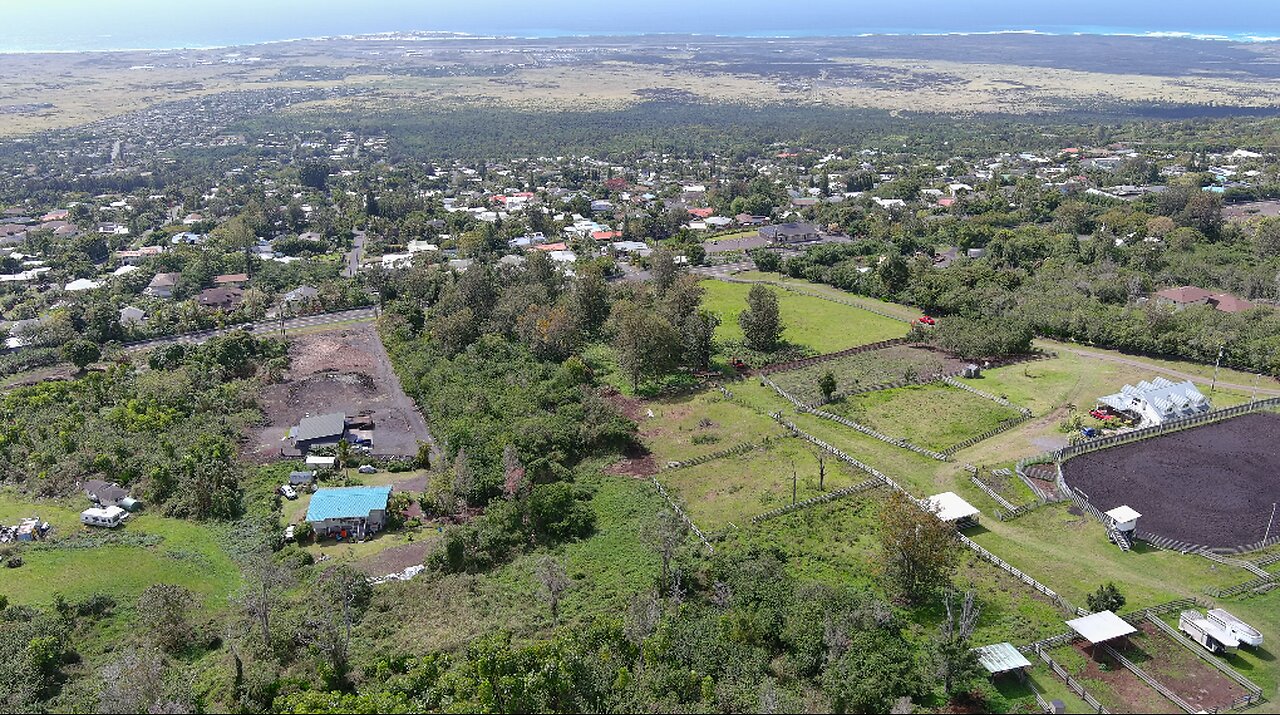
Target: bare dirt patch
(1212,485)
(341,370)
(1181,671)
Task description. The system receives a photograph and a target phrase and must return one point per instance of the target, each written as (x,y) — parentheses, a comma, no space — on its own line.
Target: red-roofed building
(560,246)
(606,235)
(615,184)
(702,213)
(946,202)
(1184,296)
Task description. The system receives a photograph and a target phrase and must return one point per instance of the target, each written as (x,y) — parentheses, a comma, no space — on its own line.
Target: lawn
(953,414)
(905,312)
(823,325)
(77,562)
(694,425)
(731,490)
(863,370)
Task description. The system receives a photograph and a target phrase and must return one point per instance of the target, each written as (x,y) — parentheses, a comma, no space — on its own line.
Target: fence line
(825,357)
(1075,685)
(1004,426)
(1142,675)
(986,395)
(983,553)
(680,511)
(720,454)
(1255,692)
(992,493)
(820,499)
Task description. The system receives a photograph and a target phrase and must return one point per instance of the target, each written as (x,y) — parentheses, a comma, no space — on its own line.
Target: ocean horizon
(63,43)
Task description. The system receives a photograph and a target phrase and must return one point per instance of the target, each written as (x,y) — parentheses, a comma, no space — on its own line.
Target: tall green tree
(761,322)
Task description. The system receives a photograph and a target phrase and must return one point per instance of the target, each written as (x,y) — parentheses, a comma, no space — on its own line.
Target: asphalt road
(264,327)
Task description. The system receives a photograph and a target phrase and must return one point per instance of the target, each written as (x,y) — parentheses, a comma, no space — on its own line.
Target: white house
(1158,401)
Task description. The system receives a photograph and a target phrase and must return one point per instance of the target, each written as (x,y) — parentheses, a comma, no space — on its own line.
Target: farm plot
(734,489)
(866,370)
(933,416)
(1009,486)
(1182,671)
(1108,681)
(823,325)
(694,426)
(1212,485)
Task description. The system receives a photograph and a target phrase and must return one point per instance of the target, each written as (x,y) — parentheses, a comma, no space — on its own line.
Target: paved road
(265,327)
(724,269)
(1261,388)
(354,255)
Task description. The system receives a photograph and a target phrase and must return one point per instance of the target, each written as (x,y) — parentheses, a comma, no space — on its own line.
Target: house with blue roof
(348,512)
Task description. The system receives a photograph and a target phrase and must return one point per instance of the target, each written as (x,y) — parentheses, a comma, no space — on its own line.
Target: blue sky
(148,23)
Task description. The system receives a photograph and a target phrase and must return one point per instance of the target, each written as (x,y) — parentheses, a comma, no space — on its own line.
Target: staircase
(1123,539)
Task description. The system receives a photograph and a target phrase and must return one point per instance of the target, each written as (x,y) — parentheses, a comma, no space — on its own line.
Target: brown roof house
(225,298)
(231,279)
(1185,296)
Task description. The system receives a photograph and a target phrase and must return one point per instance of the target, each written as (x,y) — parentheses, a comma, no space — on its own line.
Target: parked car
(926,320)
(1089,432)
(288,492)
(368,469)
(288,533)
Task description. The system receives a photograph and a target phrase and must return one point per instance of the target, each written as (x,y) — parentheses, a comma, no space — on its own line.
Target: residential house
(1185,296)
(348,512)
(132,317)
(222,298)
(1157,402)
(162,285)
(234,280)
(790,233)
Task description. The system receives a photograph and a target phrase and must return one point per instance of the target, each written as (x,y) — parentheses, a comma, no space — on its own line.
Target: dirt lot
(1211,485)
(1117,688)
(340,370)
(1181,671)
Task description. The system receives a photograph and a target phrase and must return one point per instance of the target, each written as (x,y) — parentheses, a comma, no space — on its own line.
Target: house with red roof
(606,235)
(702,213)
(1184,296)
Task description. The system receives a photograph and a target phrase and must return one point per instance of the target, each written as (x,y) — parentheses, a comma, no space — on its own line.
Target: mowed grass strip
(822,325)
(188,554)
(934,415)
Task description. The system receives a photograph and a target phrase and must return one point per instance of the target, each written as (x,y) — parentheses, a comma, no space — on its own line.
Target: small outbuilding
(1101,627)
(319,431)
(953,509)
(1001,658)
(301,479)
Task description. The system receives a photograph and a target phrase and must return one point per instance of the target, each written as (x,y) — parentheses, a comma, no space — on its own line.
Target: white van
(110,517)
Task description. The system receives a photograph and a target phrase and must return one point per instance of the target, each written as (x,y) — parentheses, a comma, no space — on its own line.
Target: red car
(1100,415)
(926,320)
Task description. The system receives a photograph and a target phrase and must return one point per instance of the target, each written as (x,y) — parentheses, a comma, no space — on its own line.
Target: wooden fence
(1254,693)
(986,555)
(1075,685)
(871,483)
(986,395)
(814,294)
(818,359)
(720,454)
(1004,426)
(679,510)
(1142,675)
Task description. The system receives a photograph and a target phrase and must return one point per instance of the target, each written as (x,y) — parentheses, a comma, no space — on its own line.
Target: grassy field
(694,425)
(861,371)
(905,312)
(954,415)
(819,324)
(76,562)
(731,490)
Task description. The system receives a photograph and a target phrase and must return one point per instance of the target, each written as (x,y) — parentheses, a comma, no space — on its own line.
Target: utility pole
(1253,396)
(1216,364)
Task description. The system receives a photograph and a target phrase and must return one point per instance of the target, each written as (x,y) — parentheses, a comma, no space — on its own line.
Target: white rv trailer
(110,517)
(1245,633)
(1214,638)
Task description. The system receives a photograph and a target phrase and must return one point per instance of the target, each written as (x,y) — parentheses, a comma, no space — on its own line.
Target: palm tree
(343,456)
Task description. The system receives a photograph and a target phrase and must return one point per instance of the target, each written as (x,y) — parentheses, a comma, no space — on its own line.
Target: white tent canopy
(1101,627)
(950,506)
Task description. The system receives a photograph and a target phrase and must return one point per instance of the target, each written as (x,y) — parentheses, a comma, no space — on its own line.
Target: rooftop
(347,502)
(951,506)
(1123,513)
(1001,658)
(320,426)
(1101,627)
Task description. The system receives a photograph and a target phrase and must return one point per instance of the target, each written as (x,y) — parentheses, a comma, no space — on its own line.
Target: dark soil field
(340,370)
(1212,485)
